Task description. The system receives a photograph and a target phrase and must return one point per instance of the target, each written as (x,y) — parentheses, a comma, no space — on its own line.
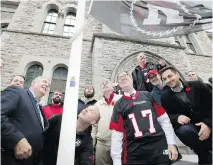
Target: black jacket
(199,109)
(82,105)
(140,79)
(83,144)
(20,119)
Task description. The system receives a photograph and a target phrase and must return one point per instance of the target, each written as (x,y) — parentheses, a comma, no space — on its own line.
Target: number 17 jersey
(137,117)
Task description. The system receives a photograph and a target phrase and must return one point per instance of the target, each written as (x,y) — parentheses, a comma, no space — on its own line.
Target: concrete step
(188,160)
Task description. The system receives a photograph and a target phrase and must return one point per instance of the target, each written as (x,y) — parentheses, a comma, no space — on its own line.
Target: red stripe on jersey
(159,110)
(119,126)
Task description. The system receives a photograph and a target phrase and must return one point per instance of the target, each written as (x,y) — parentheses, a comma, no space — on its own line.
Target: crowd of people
(136,120)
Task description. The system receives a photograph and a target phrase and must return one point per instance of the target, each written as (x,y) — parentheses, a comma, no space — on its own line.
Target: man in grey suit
(23,123)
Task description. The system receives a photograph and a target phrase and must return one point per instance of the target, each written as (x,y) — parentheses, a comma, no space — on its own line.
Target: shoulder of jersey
(118,97)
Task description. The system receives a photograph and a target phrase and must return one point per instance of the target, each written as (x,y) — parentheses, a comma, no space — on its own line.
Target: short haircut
(39,78)
(123,73)
(141,54)
(94,107)
(57,90)
(170,67)
(190,71)
(19,76)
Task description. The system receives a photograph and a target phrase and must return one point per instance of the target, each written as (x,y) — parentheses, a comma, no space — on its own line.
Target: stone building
(35,41)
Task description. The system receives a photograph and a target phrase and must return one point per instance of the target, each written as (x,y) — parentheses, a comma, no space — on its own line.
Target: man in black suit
(189,106)
(23,123)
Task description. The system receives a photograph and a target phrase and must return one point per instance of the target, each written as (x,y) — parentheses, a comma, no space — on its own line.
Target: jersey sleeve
(116,122)
(159,110)
(165,123)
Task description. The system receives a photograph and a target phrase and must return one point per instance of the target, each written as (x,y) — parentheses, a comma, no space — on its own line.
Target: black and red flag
(148,19)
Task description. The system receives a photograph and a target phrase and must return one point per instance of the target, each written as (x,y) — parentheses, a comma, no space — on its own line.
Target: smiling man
(158,85)
(83,145)
(55,108)
(189,106)
(23,123)
(17,80)
(145,127)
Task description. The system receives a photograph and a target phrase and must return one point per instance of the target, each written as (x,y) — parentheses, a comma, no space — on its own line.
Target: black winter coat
(199,108)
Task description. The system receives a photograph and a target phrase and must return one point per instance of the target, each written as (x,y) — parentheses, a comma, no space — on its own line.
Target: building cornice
(123,38)
(40,34)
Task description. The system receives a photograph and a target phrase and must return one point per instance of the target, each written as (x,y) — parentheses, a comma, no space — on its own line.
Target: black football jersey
(83,144)
(137,117)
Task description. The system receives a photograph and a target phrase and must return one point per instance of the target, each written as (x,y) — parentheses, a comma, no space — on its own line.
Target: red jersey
(52,109)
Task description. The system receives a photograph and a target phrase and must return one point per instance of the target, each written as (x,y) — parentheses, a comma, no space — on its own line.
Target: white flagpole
(66,150)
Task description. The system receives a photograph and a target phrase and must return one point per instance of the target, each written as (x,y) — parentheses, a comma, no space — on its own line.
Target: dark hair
(19,76)
(172,68)
(210,80)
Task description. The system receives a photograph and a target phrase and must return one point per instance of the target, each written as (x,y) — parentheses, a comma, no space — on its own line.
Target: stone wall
(205,42)
(202,65)
(6,15)
(16,45)
(107,53)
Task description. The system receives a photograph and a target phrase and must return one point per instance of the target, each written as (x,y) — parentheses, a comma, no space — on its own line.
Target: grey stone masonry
(16,45)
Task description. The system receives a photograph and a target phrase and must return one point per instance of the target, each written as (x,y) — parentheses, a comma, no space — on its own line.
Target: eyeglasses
(105,82)
(122,75)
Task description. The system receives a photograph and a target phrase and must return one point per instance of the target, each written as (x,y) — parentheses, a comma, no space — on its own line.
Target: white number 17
(144,113)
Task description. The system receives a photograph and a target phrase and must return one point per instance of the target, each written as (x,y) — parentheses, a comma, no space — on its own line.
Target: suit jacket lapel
(35,107)
(175,97)
(46,123)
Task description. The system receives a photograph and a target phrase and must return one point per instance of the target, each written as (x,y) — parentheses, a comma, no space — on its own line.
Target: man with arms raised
(101,132)
(142,122)
(139,74)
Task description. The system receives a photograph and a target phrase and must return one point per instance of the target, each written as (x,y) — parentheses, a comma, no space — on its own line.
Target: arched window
(69,24)
(50,22)
(59,80)
(4,25)
(32,72)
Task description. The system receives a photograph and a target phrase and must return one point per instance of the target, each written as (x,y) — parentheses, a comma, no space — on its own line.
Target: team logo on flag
(158,12)
(153,19)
